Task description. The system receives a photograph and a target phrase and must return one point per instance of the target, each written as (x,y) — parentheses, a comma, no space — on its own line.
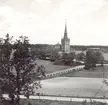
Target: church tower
(65,42)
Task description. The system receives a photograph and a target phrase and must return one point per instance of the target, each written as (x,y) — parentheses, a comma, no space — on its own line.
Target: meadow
(98,72)
(50,67)
(48,102)
(74,86)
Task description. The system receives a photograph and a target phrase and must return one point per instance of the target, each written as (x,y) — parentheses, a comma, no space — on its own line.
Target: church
(65,42)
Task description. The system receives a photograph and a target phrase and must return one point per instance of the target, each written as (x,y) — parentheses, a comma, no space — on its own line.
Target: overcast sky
(43,21)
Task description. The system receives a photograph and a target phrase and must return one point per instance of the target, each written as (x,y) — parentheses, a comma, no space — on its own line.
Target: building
(65,42)
(58,46)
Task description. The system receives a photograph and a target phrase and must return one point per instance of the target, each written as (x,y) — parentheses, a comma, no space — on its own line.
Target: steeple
(65,27)
(65,41)
(65,32)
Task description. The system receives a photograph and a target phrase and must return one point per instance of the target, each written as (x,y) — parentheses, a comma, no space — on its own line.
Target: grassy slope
(50,67)
(98,72)
(86,83)
(74,86)
(47,102)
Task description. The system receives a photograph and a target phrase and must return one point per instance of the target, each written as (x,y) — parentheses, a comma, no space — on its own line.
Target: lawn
(98,72)
(48,102)
(74,86)
(50,67)
(84,83)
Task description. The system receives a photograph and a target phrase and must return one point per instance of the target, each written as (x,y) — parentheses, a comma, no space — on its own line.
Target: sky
(43,21)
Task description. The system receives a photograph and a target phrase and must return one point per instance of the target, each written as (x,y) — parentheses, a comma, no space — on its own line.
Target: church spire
(65,41)
(65,26)
(65,32)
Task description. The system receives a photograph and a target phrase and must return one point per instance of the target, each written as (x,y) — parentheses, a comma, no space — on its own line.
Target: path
(62,98)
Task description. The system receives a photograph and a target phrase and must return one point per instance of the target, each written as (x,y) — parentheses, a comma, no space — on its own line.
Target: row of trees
(71,59)
(17,69)
(90,58)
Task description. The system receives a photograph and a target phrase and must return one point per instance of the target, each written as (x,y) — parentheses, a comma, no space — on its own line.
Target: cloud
(43,20)
(44,1)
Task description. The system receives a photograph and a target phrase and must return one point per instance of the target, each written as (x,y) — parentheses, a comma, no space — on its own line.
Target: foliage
(54,55)
(80,56)
(65,59)
(93,58)
(17,69)
(58,62)
(68,58)
(42,51)
(100,57)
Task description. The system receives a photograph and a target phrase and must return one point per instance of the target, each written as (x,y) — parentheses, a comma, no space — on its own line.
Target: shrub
(58,62)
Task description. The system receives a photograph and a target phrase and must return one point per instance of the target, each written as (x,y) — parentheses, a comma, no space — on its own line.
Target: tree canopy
(17,69)
(93,58)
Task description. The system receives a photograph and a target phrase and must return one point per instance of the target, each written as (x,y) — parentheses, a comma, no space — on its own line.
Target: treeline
(75,47)
(84,47)
(90,58)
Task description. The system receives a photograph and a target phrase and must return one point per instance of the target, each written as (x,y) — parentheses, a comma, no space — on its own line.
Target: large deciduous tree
(68,58)
(54,55)
(100,57)
(93,58)
(80,56)
(18,68)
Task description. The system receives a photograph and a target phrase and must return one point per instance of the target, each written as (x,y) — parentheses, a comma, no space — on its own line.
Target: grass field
(50,67)
(74,86)
(47,102)
(98,72)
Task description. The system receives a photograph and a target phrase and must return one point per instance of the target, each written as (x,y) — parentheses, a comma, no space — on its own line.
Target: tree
(5,64)
(80,56)
(54,55)
(92,58)
(17,69)
(68,58)
(100,57)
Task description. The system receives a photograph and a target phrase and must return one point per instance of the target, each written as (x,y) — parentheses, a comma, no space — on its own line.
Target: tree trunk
(18,88)
(12,99)
(18,100)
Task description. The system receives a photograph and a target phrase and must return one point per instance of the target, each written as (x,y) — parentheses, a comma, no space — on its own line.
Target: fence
(57,98)
(77,68)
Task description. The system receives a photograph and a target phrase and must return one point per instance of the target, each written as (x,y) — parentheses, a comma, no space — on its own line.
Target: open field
(74,86)
(48,102)
(98,72)
(50,67)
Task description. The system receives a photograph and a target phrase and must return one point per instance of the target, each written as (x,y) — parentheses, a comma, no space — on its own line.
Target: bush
(58,62)
(76,63)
